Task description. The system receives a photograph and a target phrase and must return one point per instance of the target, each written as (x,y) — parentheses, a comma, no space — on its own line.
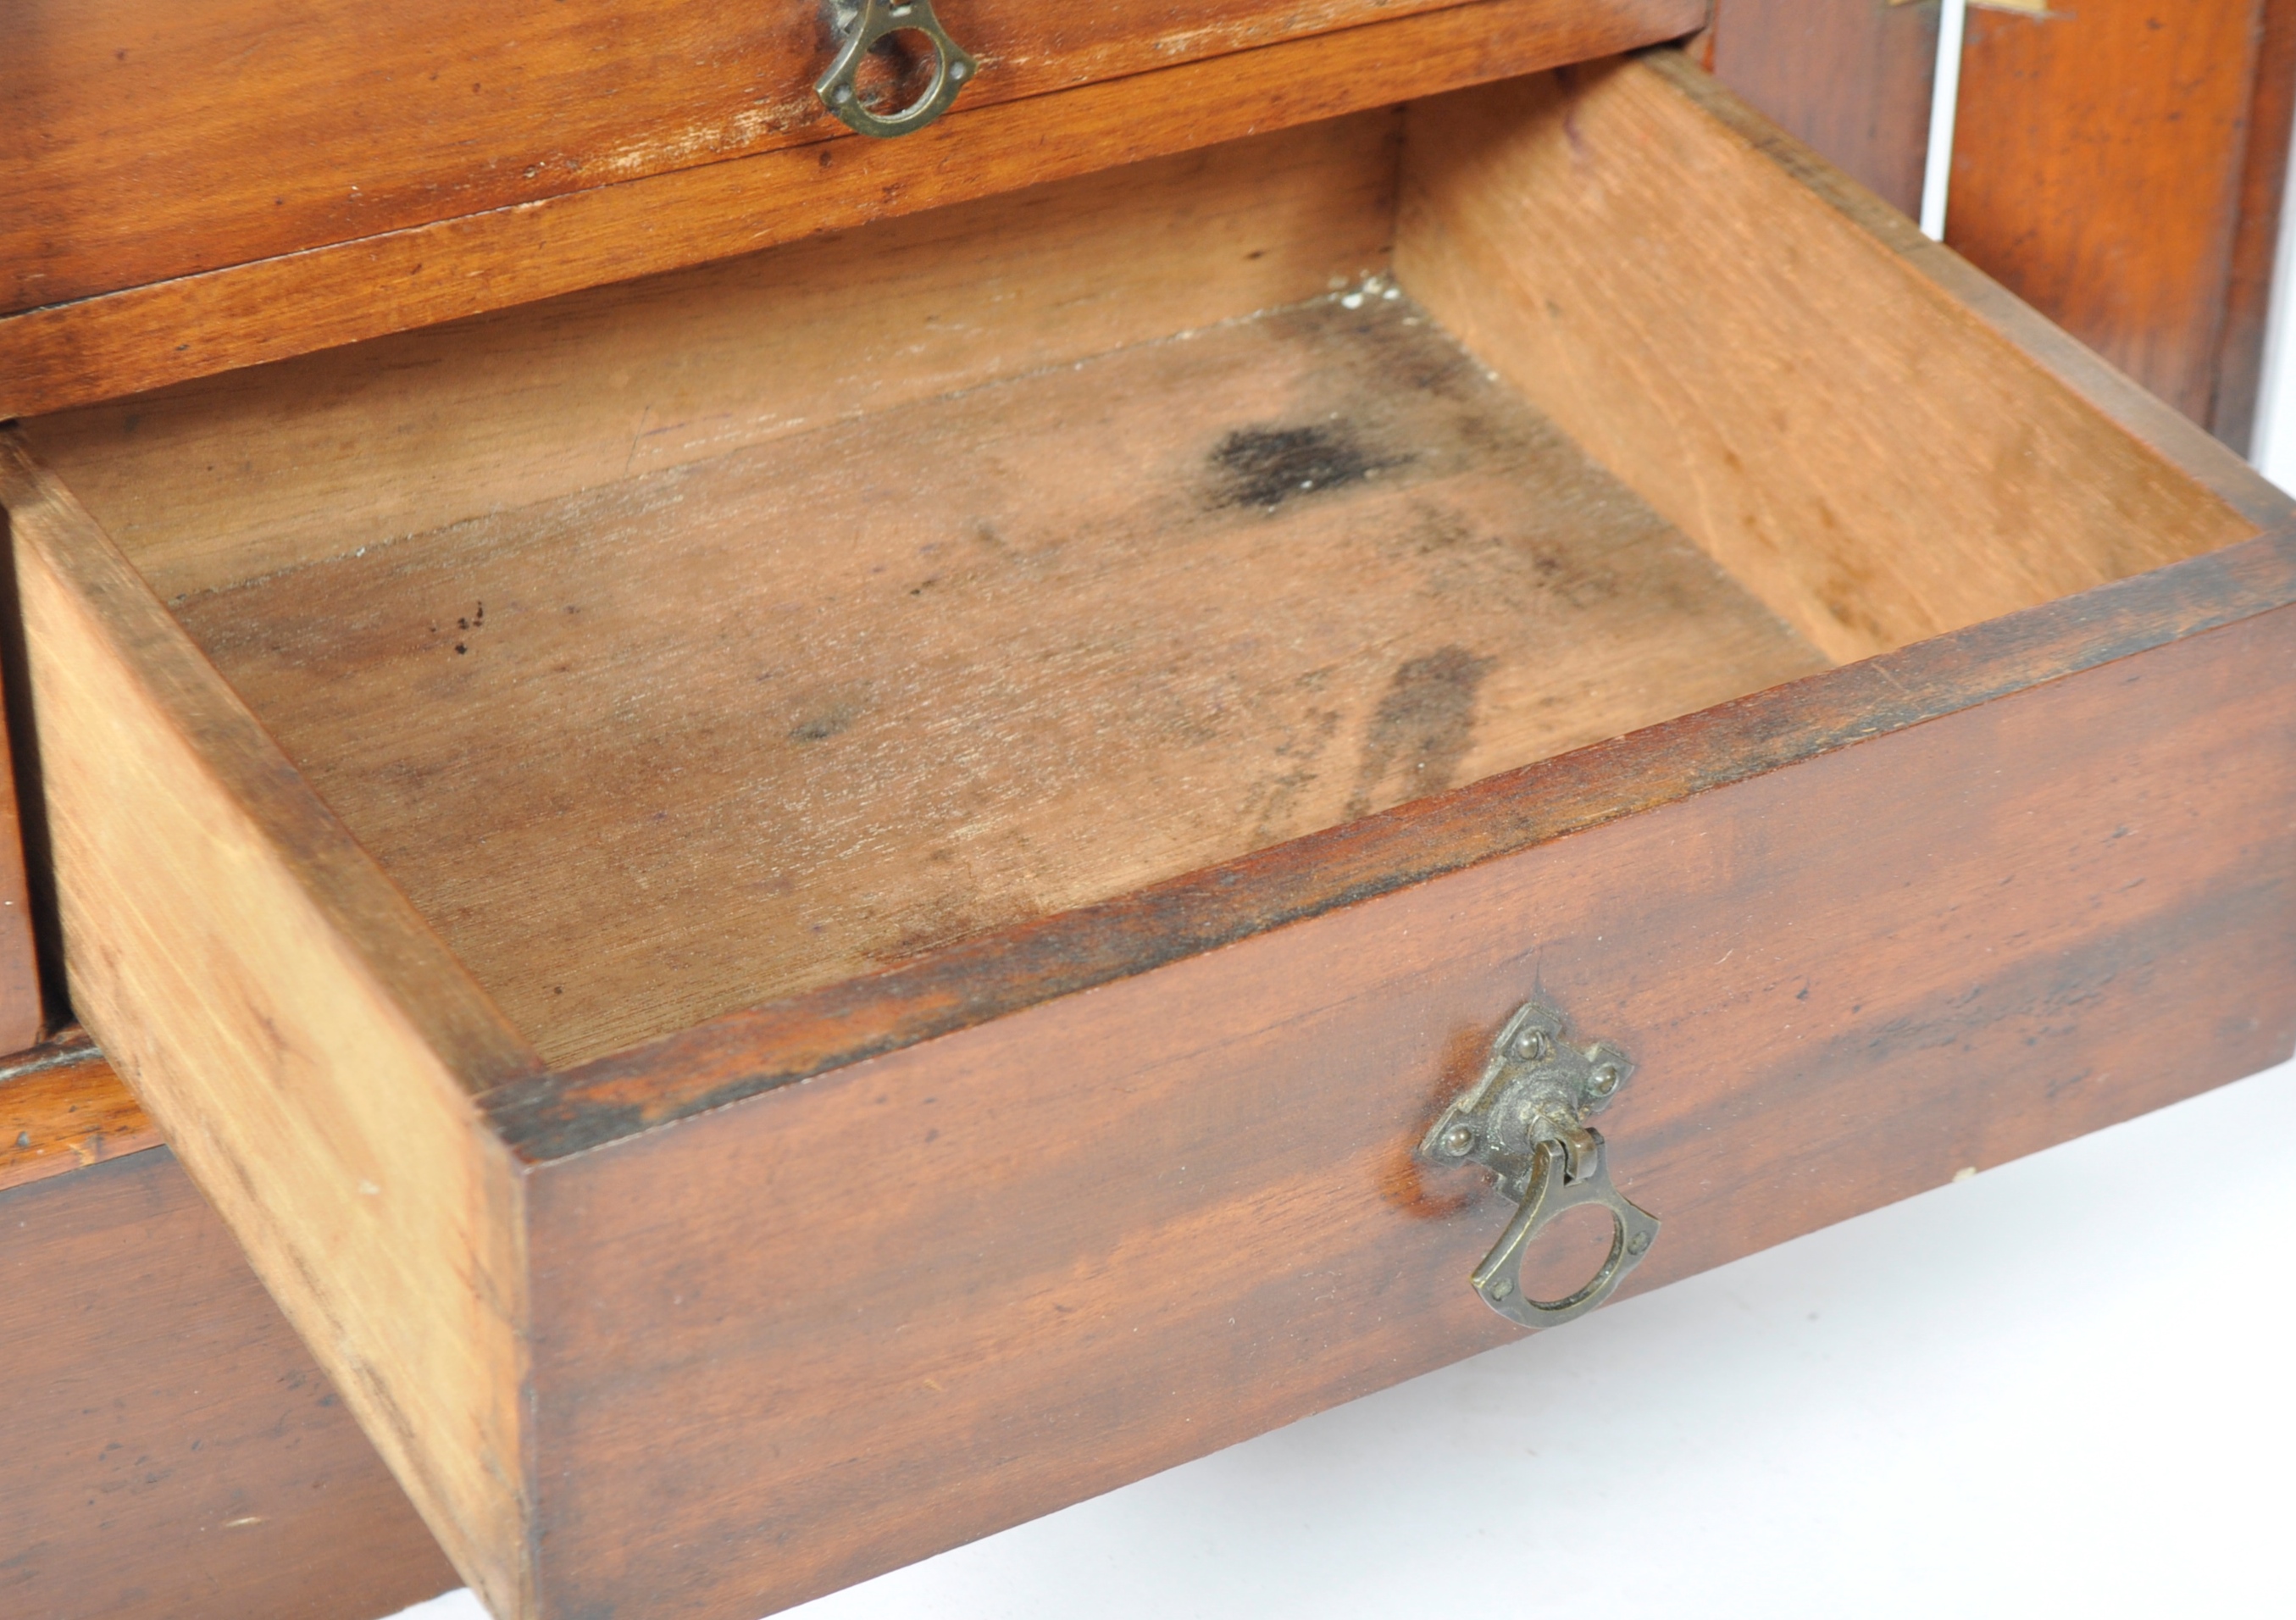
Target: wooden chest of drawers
(807,906)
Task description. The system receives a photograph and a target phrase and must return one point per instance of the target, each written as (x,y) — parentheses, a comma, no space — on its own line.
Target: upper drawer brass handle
(866,24)
(1525,1121)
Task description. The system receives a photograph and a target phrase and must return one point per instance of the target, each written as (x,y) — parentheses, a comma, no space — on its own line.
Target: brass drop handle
(1525,1121)
(866,22)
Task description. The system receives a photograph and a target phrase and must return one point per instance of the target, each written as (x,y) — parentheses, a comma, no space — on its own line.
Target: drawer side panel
(283,1016)
(846,1323)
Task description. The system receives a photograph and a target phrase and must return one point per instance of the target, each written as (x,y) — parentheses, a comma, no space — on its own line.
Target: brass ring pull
(1525,1121)
(865,25)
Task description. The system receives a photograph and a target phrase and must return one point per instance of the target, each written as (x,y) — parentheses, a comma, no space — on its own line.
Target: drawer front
(173,1451)
(435,150)
(1068,1249)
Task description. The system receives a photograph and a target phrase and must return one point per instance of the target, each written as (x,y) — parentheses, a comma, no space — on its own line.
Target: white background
(2067,1386)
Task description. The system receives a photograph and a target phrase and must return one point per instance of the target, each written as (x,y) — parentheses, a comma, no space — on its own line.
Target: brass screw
(1605,1080)
(1459,1139)
(1636,1244)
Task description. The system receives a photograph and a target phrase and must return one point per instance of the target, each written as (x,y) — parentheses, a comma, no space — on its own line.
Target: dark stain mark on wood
(1266,466)
(1422,729)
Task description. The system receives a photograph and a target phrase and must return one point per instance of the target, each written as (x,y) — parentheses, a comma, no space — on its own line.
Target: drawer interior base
(693,739)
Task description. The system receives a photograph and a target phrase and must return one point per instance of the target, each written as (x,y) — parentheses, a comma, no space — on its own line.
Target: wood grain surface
(371,277)
(1851,78)
(1084,1242)
(305,1044)
(173,1453)
(251,129)
(1557,223)
(212,482)
(2098,158)
(62,1107)
(1247,584)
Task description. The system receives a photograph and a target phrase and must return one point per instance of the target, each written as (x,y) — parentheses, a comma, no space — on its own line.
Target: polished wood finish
(62,1107)
(251,129)
(275,1001)
(774,1302)
(173,1452)
(1072,1246)
(2256,234)
(2097,170)
(1851,78)
(360,278)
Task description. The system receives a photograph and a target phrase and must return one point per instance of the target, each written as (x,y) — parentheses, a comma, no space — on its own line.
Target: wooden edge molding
(742,1054)
(62,1107)
(268,309)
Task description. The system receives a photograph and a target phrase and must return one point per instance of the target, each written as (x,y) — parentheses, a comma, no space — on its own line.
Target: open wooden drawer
(876,858)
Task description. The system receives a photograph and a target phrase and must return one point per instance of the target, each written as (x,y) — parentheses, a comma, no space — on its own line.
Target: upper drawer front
(247,129)
(189,188)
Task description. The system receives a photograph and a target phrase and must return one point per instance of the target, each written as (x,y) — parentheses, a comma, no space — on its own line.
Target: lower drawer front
(1070,1248)
(754,932)
(173,1451)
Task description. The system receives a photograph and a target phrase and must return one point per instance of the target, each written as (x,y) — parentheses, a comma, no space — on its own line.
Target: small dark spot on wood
(459,647)
(23,1139)
(820,727)
(134,421)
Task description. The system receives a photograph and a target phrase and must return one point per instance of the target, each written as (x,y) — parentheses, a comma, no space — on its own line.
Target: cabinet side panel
(2098,161)
(1769,365)
(173,1452)
(789,1344)
(1852,78)
(288,1023)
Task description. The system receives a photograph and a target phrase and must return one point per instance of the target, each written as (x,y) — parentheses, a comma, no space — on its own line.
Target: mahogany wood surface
(2256,234)
(251,129)
(173,1452)
(1851,78)
(1076,1244)
(672,1332)
(2098,162)
(350,276)
(62,1107)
